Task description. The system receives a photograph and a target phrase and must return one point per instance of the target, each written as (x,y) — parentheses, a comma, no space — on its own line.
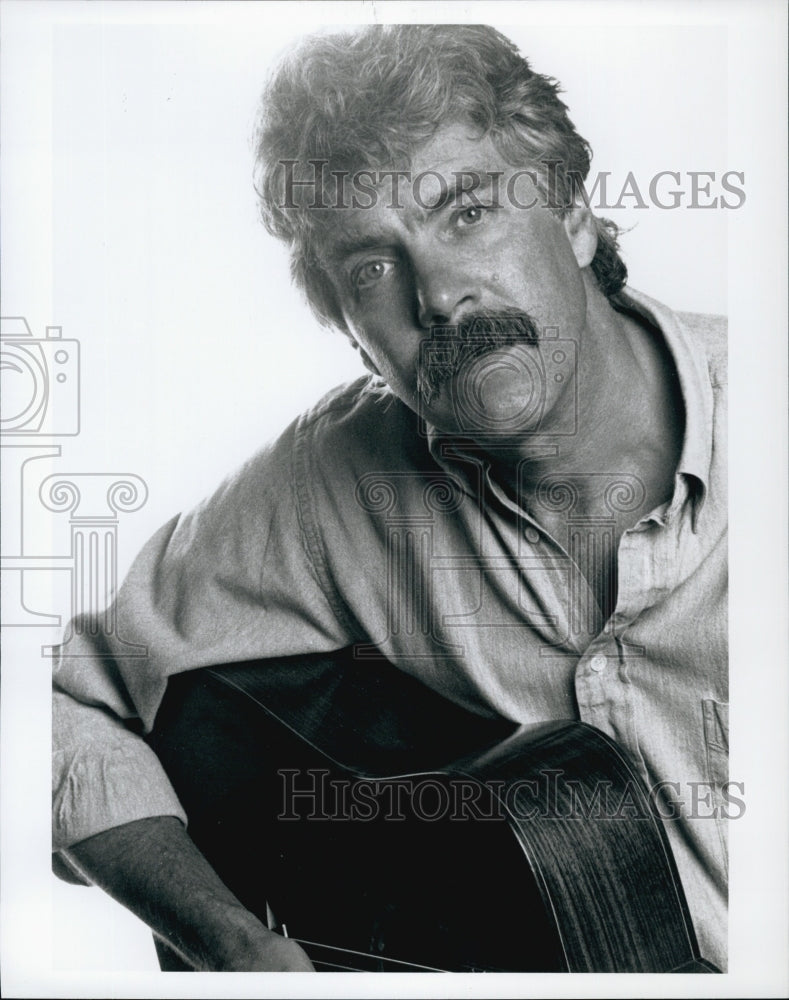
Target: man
(552,441)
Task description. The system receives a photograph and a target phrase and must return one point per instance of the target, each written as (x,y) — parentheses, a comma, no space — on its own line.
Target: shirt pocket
(716,741)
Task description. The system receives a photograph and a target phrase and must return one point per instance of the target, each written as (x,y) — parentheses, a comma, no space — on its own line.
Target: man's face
(399,272)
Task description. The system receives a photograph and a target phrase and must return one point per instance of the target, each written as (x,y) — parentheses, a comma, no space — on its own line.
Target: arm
(225,582)
(118,823)
(152,867)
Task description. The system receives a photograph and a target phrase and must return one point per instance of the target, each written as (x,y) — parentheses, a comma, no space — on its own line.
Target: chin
(500,393)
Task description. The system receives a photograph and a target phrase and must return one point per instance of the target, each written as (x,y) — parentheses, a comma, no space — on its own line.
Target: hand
(268,952)
(152,867)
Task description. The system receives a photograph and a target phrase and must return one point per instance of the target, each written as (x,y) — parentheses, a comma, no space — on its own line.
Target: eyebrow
(461,185)
(347,244)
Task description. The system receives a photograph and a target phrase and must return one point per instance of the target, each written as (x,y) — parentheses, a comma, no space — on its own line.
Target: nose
(444,293)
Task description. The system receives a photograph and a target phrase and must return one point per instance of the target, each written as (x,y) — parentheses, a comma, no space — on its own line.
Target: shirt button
(532,535)
(597,663)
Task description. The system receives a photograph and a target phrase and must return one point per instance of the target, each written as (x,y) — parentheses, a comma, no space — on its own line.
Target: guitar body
(387,829)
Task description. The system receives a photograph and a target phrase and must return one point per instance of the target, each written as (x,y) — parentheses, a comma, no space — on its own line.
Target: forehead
(454,144)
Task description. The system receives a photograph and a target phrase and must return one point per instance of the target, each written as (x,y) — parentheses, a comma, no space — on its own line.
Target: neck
(629,417)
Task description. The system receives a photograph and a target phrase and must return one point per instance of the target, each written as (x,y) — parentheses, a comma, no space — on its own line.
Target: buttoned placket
(607,666)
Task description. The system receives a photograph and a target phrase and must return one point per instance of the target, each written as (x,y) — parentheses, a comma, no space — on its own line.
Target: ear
(581,229)
(367,361)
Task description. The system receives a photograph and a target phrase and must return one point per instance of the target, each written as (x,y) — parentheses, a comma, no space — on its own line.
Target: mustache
(449,348)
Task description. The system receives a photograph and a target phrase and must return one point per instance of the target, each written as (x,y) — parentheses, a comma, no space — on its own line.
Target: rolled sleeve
(103,775)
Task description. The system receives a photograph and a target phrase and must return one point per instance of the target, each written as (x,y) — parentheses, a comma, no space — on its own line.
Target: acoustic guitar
(388,829)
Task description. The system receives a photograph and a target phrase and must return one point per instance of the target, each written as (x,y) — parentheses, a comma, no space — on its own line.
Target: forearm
(152,867)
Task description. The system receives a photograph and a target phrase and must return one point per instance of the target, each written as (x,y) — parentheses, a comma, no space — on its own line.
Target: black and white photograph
(370,609)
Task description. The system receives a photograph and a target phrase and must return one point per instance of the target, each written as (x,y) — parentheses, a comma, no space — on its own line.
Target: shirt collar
(695,386)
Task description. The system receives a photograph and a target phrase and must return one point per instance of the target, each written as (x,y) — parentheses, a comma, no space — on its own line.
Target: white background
(129,219)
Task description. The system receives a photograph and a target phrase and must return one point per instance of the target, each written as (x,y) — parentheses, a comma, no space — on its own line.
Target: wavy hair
(371,97)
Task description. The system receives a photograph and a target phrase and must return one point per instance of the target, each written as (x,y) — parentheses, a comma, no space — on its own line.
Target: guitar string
(366,955)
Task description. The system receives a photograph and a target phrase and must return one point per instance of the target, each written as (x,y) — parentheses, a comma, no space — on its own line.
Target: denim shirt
(360,525)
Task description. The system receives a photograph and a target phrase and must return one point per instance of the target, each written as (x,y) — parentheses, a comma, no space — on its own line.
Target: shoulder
(358,427)
(706,335)
(354,404)
(355,428)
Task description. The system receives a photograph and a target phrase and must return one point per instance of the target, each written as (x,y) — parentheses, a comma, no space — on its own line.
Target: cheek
(393,349)
(547,283)
(382,324)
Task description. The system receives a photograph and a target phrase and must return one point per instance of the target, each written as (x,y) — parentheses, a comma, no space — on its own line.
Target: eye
(371,272)
(470,216)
